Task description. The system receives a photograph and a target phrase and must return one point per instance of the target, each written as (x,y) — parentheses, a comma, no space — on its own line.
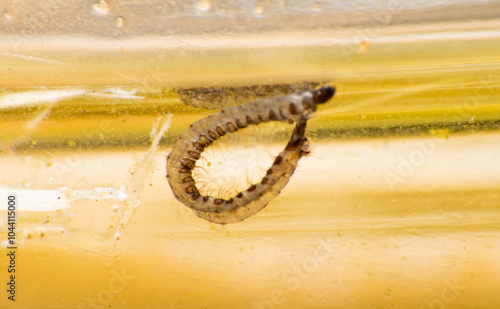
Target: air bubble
(259,8)
(119,22)
(203,5)
(100,8)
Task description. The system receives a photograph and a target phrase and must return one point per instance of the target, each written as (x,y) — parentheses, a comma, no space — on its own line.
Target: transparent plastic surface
(397,206)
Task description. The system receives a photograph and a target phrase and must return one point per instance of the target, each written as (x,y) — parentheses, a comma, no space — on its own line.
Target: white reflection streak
(59,199)
(332,38)
(30,98)
(51,97)
(376,100)
(141,170)
(32,58)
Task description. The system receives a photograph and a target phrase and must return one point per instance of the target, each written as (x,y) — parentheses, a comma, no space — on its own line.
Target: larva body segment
(291,108)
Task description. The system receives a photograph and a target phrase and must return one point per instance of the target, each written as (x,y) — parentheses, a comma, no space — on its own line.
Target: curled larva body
(182,160)
(259,195)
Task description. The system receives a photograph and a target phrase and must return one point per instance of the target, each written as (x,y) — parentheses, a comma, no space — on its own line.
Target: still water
(397,206)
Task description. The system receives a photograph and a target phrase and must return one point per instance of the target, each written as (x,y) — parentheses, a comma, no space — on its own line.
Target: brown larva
(291,108)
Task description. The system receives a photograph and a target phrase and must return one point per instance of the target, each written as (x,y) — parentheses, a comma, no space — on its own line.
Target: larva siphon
(292,108)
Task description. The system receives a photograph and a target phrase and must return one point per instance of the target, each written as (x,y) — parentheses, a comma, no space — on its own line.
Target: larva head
(323,94)
(312,98)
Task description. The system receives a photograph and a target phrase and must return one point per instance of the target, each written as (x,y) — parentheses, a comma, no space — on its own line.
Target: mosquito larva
(292,108)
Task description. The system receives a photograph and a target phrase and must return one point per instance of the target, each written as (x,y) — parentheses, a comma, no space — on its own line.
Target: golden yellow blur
(398,206)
